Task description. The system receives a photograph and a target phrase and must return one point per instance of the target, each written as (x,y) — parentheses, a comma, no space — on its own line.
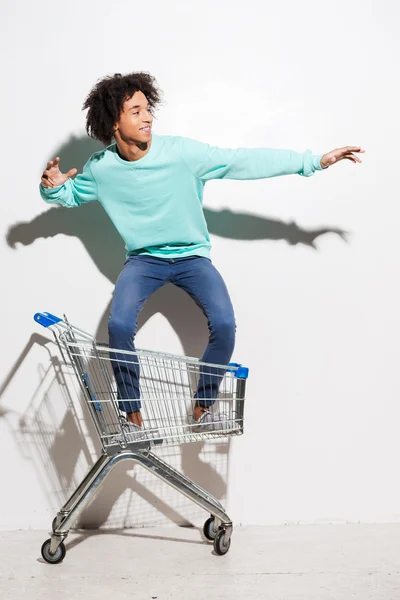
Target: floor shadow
(80,537)
(93,228)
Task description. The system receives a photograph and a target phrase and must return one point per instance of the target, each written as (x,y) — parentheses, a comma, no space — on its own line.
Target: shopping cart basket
(167,387)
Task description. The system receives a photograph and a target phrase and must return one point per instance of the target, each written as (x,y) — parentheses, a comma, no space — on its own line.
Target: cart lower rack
(166,387)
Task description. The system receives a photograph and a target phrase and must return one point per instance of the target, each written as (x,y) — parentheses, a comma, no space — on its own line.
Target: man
(152,189)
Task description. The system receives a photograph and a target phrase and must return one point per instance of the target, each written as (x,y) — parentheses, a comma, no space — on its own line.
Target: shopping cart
(167,389)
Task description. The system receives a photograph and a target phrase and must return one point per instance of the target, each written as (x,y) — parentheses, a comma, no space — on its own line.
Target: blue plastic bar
(46,319)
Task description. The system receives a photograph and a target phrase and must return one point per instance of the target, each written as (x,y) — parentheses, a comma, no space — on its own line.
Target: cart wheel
(208,529)
(221,546)
(53,558)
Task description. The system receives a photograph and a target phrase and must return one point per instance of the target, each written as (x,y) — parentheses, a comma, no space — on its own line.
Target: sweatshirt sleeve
(209,162)
(73,192)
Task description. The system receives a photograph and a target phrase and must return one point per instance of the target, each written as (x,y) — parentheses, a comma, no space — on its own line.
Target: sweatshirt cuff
(317,162)
(311,163)
(49,192)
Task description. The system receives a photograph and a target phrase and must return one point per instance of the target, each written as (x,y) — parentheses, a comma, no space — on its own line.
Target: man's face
(135,122)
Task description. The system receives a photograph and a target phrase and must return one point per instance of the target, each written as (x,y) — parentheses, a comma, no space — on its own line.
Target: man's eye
(148,110)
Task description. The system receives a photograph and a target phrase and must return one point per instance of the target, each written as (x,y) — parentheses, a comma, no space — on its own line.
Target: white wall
(318,326)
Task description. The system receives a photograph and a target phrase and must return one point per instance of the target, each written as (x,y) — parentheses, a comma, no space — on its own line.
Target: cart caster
(208,529)
(221,544)
(55,558)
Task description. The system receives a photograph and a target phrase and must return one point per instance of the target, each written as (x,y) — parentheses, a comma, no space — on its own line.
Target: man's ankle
(198,411)
(135,417)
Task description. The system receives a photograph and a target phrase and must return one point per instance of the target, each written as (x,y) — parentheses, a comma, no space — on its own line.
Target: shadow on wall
(61,445)
(92,226)
(48,430)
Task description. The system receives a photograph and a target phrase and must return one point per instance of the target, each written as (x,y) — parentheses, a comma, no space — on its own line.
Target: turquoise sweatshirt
(156,202)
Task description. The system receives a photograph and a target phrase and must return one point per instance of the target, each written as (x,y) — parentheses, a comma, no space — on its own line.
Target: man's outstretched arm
(210,162)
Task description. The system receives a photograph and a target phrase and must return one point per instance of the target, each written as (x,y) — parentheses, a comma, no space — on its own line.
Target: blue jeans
(141,277)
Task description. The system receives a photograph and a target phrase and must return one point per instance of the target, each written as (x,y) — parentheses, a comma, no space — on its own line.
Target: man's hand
(52,176)
(340,154)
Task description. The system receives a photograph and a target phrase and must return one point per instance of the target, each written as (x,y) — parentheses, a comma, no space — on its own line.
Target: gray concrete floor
(282,563)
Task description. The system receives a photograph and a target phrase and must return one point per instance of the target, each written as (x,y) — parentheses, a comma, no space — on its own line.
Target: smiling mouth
(145,129)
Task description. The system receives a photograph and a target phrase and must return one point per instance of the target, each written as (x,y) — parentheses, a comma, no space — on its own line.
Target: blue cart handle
(240,372)
(46,319)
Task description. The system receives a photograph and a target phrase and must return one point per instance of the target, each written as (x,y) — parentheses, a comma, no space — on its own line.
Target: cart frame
(99,390)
